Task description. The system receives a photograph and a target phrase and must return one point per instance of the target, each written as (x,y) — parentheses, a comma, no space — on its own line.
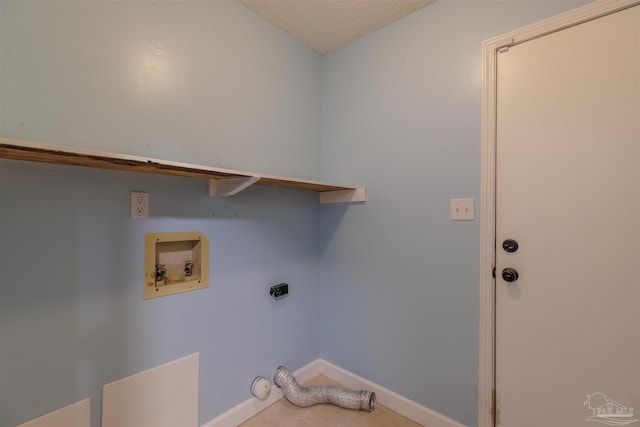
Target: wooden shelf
(222,182)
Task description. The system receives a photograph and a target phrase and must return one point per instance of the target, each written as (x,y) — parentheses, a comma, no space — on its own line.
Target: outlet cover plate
(139,204)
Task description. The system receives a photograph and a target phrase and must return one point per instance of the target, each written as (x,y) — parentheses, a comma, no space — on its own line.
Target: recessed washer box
(175,262)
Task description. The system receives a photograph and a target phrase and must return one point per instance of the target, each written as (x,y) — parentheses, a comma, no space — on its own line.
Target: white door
(568,192)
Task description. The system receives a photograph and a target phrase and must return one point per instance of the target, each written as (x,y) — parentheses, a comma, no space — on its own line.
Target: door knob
(510,274)
(510,245)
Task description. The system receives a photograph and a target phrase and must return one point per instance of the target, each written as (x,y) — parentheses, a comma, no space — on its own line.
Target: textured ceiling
(325,25)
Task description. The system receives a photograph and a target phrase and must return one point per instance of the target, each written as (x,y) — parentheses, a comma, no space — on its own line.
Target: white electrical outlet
(139,204)
(462,209)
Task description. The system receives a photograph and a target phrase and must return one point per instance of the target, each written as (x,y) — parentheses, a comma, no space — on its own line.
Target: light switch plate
(462,209)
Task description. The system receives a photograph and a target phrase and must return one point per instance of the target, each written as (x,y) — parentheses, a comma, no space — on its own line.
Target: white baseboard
(410,409)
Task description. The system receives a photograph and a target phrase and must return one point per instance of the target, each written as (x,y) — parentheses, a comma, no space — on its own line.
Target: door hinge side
(495,413)
(493,407)
(503,45)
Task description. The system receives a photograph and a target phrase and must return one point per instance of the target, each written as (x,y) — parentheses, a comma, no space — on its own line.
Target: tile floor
(284,414)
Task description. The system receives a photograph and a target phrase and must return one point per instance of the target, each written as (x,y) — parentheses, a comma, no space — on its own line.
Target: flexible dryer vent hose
(308,396)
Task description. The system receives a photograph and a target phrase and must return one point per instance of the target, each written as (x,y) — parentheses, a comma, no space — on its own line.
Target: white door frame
(490,50)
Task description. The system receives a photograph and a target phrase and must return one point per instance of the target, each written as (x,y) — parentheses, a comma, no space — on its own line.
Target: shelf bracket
(230,186)
(344,196)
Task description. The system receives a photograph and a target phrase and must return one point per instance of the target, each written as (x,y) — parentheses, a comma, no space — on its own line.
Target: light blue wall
(401,115)
(387,289)
(206,82)
(72,314)
(239,93)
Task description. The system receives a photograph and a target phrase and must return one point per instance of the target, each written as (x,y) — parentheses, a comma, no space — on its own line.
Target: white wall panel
(75,415)
(163,396)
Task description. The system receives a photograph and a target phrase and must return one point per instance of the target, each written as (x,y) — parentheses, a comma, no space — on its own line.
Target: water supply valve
(188,268)
(161,272)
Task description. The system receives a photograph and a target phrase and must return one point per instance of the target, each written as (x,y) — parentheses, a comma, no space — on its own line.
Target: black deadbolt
(510,274)
(510,245)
